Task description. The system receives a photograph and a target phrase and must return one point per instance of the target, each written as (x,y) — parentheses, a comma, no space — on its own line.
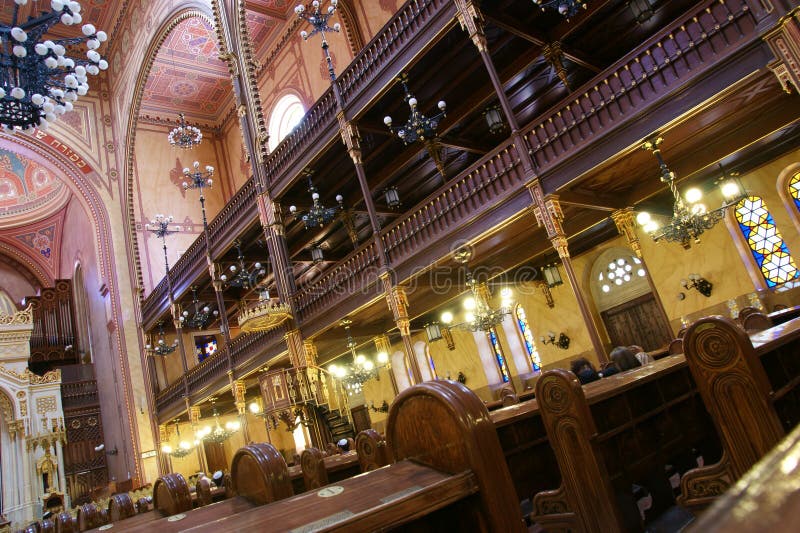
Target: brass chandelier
(354,375)
(690,217)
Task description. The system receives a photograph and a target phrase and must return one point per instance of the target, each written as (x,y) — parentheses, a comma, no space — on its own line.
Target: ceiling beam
(599,202)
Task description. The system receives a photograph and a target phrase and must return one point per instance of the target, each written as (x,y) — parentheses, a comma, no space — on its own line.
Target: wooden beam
(599,202)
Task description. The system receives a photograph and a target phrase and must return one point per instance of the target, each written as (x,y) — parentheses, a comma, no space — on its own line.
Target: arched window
(794,188)
(765,241)
(527,338)
(497,350)
(287,113)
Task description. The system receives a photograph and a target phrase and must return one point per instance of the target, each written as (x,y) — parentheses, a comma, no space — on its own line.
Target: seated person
(343,445)
(624,358)
(584,370)
(640,354)
(217,478)
(609,369)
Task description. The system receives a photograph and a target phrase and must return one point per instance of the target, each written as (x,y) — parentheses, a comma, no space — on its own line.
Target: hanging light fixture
(494,119)
(184,135)
(266,314)
(392,197)
(317,255)
(354,375)
(38,79)
(241,276)
(201,316)
(551,275)
(217,434)
(161,347)
(183,447)
(318,215)
(566,8)
(199,179)
(690,217)
(418,127)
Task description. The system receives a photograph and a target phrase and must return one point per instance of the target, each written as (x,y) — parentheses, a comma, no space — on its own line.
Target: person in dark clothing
(584,370)
(624,358)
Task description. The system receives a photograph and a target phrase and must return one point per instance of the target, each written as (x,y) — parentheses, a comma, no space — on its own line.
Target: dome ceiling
(28,189)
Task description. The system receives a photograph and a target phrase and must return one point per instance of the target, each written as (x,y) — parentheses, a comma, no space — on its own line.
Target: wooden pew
(626,426)
(259,476)
(372,450)
(750,387)
(765,499)
(319,469)
(449,475)
(90,517)
(120,507)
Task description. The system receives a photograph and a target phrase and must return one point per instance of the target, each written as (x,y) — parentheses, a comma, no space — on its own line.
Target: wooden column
(194,419)
(239,390)
(164,463)
(625,221)
(398,304)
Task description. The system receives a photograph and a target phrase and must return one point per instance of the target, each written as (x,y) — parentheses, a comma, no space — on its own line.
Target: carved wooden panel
(312,462)
(638,321)
(373,451)
(120,506)
(260,475)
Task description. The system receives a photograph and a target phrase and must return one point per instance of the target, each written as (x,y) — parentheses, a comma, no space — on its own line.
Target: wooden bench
(765,499)
(749,385)
(319,469)
(259,475)
(450,475)
(372,450)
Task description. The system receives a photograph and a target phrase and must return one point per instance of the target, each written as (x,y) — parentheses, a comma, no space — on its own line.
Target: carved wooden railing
(79,394)
(171,394)
(351,275)
(203,374)
(669,59)
(241,209)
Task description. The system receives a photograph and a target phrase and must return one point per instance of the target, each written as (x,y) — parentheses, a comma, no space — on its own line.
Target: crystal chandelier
(161,347)
(418,127)
(201,316)
(690,217)
(318,215)
(566,8)
(218,434)
(264,315)
(38,80)
(479,314)
(183,135)
(240,275)
(183,448)
(354,375)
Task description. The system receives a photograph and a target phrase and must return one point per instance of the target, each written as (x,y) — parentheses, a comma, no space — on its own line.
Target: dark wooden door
(215,457)
(638,321)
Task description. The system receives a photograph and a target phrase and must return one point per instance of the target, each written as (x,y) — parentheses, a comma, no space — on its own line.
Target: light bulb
(643,218)
(368,365)
(651,226)
(387,120)
(505,293)
(469,304)
(730,189)
(166,448)
(360,359)
(383,357)
(254,407)
(447,317)
(470,316)
(693,195)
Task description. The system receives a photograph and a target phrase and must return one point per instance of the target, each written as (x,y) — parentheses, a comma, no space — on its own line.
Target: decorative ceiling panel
(27,186)
(188,76)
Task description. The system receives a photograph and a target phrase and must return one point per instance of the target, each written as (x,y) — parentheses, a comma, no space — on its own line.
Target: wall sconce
(392,197)
(551,275)
(494,119)
(548,296)
(316,254)
(562,341)
(382,408)
(696,281)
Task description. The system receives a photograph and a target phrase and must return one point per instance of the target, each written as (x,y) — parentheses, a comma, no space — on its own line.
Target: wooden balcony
(698,55)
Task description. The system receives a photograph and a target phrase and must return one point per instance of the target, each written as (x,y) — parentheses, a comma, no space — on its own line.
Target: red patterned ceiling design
(188,76)
(26,185)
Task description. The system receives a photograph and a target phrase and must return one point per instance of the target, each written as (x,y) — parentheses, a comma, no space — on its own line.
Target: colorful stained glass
(498,353)
(527,338)
(765,241)
(794,189)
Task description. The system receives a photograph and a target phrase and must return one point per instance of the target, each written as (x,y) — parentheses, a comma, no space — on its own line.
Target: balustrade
(79,394)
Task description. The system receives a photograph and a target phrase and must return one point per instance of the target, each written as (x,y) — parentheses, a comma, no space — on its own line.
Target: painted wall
(15,284)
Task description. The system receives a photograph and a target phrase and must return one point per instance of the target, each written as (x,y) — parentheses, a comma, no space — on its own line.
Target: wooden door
(215,457)
(638,321)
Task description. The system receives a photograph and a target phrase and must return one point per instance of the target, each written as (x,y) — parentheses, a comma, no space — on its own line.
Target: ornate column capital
(194,415)
(239,390)
(561,245)
(784,41)
(625,221)
(350,137)
(470,19)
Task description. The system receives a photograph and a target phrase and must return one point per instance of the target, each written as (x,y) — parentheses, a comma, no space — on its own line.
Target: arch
(32,272)
(7,406)
(761,237)
(84,325)
(617,276)
(788,185)
(7,305)
(422,354)
(400,371)
(286,114)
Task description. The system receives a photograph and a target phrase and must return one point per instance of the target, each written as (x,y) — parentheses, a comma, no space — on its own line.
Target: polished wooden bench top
(597,390)
(201,515)
(767,498)
(391,495)
(769,339)
(784,314)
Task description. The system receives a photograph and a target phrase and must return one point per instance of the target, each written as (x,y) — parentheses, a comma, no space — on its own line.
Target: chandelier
(183,447)
(690,217)
(264,315)
(418,127)
(240,275)
(38,80)
(184,136)
(218,434)
(161,347)
(479,314)
(354,375)
(201,316)
(566,8)
(319,21)
(199,179)
(318,215)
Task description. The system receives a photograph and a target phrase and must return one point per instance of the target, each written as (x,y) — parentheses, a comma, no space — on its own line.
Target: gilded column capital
(350,137)
(194,415)
(784,41)
(310,350)
(561,245)
(471,20)
(624,219)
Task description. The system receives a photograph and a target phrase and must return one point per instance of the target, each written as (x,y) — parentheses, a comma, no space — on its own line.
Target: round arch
(626,280)
(287,112)
(789,202)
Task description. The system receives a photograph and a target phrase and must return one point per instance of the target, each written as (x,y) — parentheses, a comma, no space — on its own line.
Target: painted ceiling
(27,186)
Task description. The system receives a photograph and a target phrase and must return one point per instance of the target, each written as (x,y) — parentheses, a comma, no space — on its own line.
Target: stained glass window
(527,338)
(619,272)
(765,241)
(498,353)
(794,189)
(204,347)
